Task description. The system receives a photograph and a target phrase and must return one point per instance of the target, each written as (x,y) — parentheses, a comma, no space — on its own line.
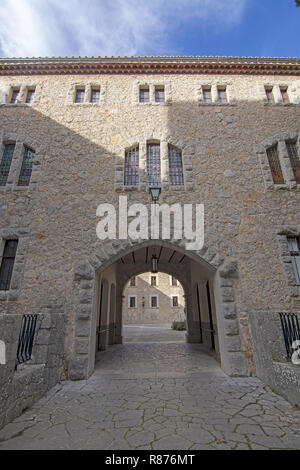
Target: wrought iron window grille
(291,331)
(26,339)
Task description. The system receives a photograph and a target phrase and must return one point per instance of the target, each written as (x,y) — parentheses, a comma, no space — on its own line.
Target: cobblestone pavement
(157,396)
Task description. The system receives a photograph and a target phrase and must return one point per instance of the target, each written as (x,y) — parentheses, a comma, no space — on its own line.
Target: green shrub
(179,325)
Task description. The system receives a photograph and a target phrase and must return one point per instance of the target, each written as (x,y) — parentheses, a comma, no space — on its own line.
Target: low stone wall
(21,388)
(272,366)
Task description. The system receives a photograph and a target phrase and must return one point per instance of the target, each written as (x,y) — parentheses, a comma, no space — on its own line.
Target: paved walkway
(157,396)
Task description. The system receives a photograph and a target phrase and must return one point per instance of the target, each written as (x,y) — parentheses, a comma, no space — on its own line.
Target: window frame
(129,301)
(132,169)
(4,145)
(175,296)
(11,264)
(152,296)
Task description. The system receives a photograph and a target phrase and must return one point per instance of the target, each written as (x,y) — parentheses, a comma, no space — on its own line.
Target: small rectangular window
(154,302)
(26,169)
(7,263)
(133,282)
(15,95)
(275,166)
(294,248)
(284,94)
(131,170)
(175,301)
(79,96)
(30,95)
(5,163)
(269,94)
(206,95)
(222,98)
(144,95)
(159,94)
(294,159)
(132,302)
(153,281)
(174,281)
(95,95)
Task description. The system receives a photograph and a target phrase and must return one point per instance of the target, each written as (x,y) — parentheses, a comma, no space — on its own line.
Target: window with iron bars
(175,166)
(294,248)
(222,97)
(79,95)
(153,164)
(7,264)
(26,169)
(5,164)
(206,95)
(131,173)
(159,94)
(144,95)
(275,166)
(95,95)
(294,159)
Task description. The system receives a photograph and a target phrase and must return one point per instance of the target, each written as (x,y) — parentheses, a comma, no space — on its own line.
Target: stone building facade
(153,299)
(76,133)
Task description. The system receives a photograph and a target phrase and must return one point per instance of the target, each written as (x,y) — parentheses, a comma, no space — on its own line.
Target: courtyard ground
(157,392)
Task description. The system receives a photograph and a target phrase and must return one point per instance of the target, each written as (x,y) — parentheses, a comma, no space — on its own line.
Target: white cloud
(105,27)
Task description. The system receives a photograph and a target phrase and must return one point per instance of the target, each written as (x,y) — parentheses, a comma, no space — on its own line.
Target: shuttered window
(153,165)
(26,169)
(5,163)
(175,166)
(294,159)
(7,263)
(274,162)
(294,248)
(131,172)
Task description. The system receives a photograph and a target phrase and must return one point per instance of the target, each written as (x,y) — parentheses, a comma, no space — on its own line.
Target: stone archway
(86,275)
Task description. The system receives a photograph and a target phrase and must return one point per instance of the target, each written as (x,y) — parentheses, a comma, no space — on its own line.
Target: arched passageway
(208,285)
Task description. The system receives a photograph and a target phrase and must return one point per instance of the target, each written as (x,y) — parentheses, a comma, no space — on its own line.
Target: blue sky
(33,28)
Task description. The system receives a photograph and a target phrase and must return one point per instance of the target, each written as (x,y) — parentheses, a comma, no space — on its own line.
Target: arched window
(131,173)
(153,164)
(175,166)
(26,169)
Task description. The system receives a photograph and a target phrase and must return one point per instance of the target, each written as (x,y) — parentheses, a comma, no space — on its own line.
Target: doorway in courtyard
(147,290)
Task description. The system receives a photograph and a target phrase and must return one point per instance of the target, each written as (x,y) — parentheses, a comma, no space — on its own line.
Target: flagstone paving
(167,395)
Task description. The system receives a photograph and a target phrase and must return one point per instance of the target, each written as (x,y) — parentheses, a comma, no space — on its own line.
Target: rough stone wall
(21,388)
(165,312)
(272,366)
(79,153)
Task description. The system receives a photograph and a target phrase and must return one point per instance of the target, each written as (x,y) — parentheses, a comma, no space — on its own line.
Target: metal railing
(291,331)
(26,339)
